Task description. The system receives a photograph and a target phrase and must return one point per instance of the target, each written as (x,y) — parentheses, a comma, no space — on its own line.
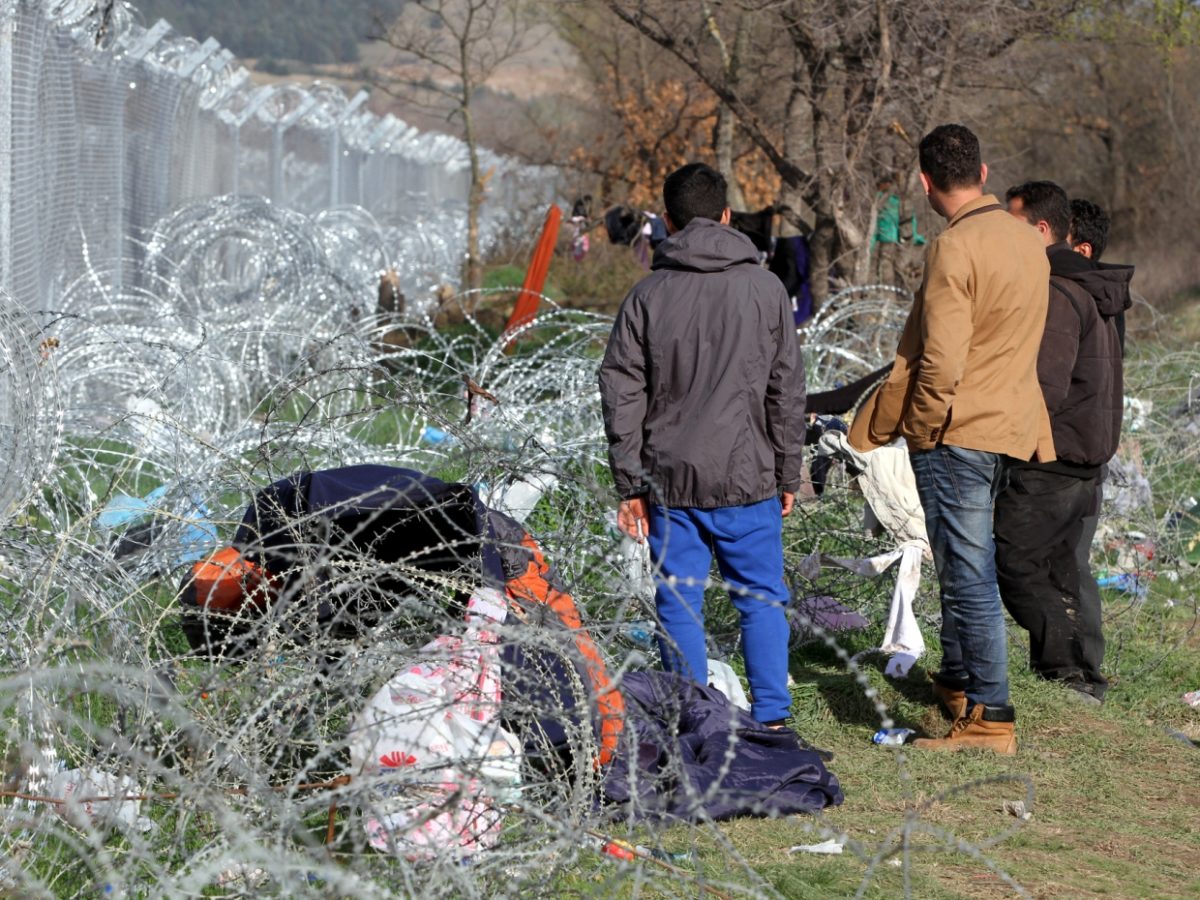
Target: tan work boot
(953,700)
(983,728)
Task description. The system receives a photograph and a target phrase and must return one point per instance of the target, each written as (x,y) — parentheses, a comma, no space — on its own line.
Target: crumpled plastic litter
(1136,412)
(1126,583)
(1016,808)
(892,737)
(1192,699)
(1127,489)
(142,519)
(725,680)
(832,846)
(76,786)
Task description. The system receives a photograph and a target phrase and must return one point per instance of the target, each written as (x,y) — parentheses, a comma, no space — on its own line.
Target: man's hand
(633,518)
(787,500)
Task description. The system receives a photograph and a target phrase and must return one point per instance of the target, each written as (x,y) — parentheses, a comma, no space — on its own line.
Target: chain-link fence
(108,127)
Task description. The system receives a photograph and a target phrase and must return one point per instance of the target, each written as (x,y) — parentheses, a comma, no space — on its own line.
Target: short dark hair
(694,190)
(1090,224)
(1043,201)
(950,157)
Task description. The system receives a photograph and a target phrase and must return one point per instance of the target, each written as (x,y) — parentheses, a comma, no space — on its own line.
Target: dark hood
(705,246)
(1108,284)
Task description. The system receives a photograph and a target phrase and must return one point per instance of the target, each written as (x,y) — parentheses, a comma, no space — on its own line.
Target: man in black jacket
(1041,515)
(702,388)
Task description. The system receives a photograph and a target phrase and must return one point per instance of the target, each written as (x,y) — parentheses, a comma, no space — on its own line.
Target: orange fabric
(535,276)
(532,586)
(226,580)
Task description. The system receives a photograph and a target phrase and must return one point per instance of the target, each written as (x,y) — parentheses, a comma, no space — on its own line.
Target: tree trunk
(474,264)
(726,118)
(820,246)
(724,153)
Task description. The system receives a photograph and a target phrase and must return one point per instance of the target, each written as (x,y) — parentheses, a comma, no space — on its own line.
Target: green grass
(1115,797)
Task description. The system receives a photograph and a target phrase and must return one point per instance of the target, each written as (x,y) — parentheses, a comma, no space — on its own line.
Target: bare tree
(446,51)
(834,91)
(642,115)
(1114,116)
(731,56)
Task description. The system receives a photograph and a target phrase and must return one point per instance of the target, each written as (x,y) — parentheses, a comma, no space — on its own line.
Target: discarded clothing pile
(688,753)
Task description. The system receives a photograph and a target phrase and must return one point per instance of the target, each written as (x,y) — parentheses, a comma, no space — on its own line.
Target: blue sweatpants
(748,543)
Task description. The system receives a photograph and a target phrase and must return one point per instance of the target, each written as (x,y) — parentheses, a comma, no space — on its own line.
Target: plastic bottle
(892,737)
(640,634)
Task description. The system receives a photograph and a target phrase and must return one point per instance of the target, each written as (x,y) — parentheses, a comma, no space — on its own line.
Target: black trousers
(1039,521)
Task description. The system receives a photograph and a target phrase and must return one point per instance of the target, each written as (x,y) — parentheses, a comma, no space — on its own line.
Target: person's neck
(953,201)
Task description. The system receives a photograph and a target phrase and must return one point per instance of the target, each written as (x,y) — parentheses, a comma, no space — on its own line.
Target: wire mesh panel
(109,127)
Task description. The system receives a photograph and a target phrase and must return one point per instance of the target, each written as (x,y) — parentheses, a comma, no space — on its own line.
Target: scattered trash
(725,680)
(617,850)
(832,846)
(1192,699)
(1133,551)
(1127,489)
(244,874)
(79,788)
(640,634)
(627,852)
(686,856)
(145,523)
(1016,808)
(1127,583)
(435,437)
(892,737)
(1136,412)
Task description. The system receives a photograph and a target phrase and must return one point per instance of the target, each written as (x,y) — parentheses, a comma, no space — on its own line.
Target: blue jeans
(748,543)
(958,490)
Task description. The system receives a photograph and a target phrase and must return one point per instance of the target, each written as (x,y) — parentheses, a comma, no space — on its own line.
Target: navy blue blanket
(687,753)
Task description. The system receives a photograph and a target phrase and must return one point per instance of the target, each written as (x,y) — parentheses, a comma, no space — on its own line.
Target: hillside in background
(311,31)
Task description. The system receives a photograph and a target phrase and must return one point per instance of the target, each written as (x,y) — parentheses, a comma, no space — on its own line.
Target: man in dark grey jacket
(702,387)
(1041,515)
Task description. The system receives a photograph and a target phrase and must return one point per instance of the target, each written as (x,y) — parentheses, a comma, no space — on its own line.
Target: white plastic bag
(725,680)
(79,789)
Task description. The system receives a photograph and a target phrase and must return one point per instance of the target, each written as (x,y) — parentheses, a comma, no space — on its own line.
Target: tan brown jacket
(966,365)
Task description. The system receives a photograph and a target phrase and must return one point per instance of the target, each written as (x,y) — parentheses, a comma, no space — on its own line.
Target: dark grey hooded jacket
(1079,364)
(702,383)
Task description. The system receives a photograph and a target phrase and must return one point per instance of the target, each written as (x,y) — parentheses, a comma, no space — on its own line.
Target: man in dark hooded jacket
(1041,515)
(702,387)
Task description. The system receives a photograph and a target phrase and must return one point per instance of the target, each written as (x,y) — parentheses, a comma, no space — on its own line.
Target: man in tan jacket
(964,395)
